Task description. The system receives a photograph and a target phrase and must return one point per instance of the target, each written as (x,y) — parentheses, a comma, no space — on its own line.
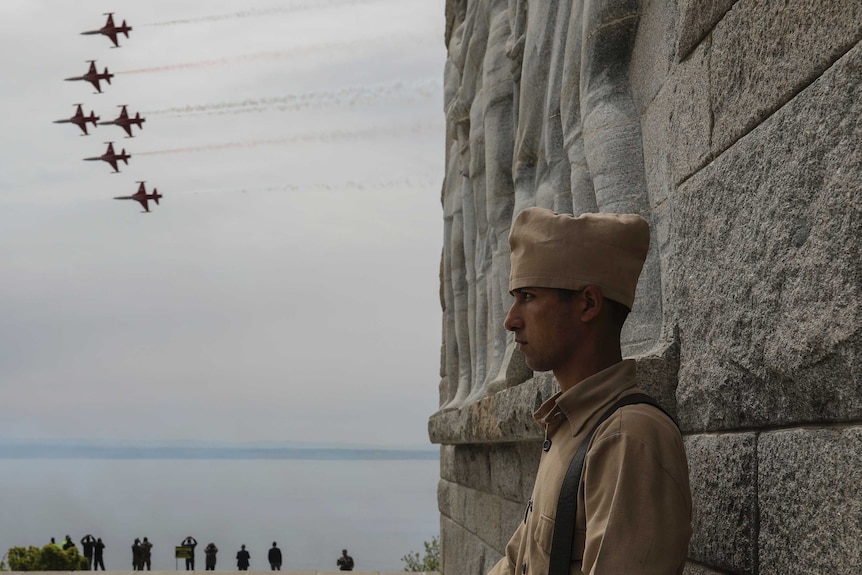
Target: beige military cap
(562,251)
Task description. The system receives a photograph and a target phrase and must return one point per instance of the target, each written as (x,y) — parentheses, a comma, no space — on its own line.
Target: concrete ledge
(507,416)
(287,572)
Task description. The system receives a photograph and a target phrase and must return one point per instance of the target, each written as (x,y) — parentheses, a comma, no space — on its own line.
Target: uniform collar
(580,403)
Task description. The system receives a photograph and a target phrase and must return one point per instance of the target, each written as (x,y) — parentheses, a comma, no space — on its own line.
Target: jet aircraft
(111,157)
(80,120)
(125,122)
(142,197)
(110,30)
(92,76)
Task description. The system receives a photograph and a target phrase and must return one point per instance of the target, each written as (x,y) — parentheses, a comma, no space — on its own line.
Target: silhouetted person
(146,553)
(137,555)
(87,545)
(210,551)
(98,550)
(68,543)
(345,562)
(190,543)
(53,542)
(274,558)
(242,559)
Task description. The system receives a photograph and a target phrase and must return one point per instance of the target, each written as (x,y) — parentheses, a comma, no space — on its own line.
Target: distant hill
(81,450)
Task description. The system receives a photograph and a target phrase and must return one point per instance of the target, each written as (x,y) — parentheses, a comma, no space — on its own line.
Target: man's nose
(512,321)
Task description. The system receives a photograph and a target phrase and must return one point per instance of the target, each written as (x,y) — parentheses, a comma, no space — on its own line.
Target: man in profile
(345,562)
(274,557)
(574,283)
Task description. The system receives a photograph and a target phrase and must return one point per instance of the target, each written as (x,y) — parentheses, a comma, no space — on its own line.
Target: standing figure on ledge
(190,543)
(274,557)
(574,284)
(98,555)
(210,551)
(345,562)
(242,559)
(137,555)
(146,554)
(87,544)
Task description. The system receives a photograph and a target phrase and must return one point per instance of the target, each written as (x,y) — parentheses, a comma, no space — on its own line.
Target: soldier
(87,544)
(574,284)
(274,557)
(146,554)
(242,559)
(137,555)
(190,543)
(98,555)
(210,551)
(345,562)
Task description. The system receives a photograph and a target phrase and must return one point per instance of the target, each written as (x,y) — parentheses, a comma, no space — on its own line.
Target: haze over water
(379,510)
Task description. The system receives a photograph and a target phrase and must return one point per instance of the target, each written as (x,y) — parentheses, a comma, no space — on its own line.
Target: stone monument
(733,127)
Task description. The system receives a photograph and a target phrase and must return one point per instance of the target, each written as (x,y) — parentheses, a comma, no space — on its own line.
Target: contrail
(387,42)
(309,138)
(350,96)
(402,183)
(298,6)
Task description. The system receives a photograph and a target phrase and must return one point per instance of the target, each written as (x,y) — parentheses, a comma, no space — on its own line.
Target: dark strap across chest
(567,504)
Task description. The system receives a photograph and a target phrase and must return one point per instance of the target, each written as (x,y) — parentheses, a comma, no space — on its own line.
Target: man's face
(546,328)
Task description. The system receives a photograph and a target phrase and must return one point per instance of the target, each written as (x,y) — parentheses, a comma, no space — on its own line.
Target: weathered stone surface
(746,113)
(488,517)
(462,552)
(511,515)
(654,50)
(695,569)
(767,283)
(508,414)
(513,468)
(657,375)
(696,19)
(763,53)
(677,127)
(471,467)
(505,416)
(723,475)
(810,495)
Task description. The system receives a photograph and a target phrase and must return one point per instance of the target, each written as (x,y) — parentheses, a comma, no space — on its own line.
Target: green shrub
(430,562)
(48,558)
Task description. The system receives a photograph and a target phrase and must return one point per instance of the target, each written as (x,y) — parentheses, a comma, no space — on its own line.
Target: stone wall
(734,127)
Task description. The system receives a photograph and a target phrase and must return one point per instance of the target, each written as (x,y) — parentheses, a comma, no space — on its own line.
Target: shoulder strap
(567,504)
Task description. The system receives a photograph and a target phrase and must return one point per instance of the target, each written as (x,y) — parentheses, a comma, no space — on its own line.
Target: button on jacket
(634,501)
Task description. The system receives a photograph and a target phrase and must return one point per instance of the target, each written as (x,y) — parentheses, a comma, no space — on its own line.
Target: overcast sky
(286,289)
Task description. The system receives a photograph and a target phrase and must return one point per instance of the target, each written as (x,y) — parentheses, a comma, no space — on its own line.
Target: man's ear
(593,303)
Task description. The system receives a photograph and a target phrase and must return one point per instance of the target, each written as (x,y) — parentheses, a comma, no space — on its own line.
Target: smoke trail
(344,47)
(428,181)
(350,96)
(297,6)
(308,138)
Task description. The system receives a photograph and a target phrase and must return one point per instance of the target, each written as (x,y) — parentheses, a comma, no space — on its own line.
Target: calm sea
(378,510)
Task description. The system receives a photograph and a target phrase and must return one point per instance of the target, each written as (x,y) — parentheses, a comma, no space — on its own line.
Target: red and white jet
(142,197)
(92,76)
(112,157)
(125,122)
(110,30)
(80,120)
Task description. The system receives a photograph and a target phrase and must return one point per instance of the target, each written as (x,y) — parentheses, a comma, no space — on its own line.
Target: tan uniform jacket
(634,502)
